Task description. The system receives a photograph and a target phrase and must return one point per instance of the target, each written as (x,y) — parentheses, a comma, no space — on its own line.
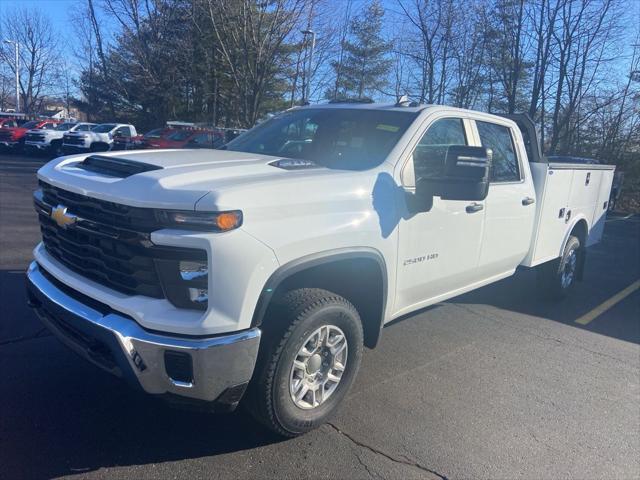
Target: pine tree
(364,69)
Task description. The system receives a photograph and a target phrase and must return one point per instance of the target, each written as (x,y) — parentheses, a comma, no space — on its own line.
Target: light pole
(17,65)
(313,46)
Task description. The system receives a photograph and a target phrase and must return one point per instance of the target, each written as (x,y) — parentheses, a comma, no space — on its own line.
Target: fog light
(179,367)
(190,270)
(199,295)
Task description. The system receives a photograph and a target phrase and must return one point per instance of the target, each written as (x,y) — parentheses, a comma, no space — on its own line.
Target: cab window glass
(431,151)
(340,138)
(201,139)
(504,167)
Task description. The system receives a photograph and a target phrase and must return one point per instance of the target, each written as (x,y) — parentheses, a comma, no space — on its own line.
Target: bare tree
(432,20)
(586,31)
(249,38)
(39,55)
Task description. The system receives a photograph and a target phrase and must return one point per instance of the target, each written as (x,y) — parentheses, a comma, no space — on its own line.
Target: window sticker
(387,128)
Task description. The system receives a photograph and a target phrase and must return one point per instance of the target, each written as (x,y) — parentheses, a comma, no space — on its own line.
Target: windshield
(65,126)
(180,135)
(353,139)
(31,124)
(155,133)
(104,128)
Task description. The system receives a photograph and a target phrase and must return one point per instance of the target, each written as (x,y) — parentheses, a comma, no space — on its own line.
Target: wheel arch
(579,229)
(358,274)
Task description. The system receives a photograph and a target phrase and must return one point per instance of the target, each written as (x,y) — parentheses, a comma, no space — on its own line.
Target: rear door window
(123,132)
(505,166)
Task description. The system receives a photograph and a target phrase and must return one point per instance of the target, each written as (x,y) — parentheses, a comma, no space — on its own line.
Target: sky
(56,10)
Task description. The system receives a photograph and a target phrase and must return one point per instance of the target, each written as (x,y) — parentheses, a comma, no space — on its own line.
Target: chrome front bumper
(213,369)
(39,146)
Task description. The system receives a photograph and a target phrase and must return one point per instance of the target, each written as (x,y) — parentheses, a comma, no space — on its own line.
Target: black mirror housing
(464,176)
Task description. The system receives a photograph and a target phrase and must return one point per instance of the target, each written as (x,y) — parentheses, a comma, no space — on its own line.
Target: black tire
(287,326)
(557,278)
(56,148)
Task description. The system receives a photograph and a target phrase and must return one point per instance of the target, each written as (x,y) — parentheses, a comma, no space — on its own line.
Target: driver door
(438,249)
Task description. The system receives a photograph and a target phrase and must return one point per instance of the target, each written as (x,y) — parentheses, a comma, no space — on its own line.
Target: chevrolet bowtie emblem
(62,218)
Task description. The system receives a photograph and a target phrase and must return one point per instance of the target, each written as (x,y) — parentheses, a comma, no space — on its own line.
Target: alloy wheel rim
(569,269)
(318,367)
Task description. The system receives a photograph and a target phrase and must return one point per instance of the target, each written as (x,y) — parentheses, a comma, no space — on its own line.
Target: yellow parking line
(606,305)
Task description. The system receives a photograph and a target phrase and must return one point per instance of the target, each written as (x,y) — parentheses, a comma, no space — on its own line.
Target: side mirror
(463,174)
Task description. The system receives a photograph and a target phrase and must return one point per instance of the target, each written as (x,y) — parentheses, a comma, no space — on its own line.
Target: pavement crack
(404,460)
(371,473)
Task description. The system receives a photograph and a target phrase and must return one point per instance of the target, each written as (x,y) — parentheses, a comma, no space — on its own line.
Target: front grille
(72,140)
(34,137)
(5,135)
(109,244)
(106,213)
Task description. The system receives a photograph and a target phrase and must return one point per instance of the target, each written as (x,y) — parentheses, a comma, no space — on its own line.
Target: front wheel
(557,278)
(309,358)
(56,148)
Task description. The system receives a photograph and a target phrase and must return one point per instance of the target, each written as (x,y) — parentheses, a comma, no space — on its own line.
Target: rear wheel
(557,278)
(310,355)
(56,148)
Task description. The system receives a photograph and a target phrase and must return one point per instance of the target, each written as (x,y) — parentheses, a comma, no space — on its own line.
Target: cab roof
(354,105)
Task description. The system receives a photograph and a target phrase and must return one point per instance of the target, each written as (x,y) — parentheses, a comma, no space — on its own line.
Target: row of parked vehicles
(58,137)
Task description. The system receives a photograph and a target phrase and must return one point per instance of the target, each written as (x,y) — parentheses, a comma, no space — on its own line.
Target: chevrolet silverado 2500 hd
(13,137)
(98,139)
(50,140)
(259,271)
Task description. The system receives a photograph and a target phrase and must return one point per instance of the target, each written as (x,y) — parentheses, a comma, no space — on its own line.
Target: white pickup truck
(261,270)
(98,139)
(50,140)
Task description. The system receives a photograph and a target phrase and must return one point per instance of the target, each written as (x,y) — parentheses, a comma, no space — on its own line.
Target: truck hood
(183,176)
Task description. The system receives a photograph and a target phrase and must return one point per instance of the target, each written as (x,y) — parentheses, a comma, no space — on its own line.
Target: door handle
(474,207)
(527,201)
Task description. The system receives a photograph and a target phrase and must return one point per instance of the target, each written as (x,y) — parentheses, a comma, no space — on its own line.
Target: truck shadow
(60,415)
(611,266)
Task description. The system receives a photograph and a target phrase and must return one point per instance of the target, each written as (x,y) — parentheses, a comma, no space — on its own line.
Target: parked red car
(13,136)
(8,123)
(152,138)
(188,139)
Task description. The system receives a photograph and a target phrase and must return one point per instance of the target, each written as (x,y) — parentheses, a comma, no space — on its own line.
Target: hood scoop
(114,166)
(294,164)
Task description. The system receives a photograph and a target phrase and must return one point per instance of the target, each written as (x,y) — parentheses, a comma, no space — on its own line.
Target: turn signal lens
(229,220)
(204,221)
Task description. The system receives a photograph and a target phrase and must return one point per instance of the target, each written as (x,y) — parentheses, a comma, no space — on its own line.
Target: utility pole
(306,93)
(17,66)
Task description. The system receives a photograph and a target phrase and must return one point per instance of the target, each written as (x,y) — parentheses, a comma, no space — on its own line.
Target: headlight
(185,282)
(205,221)
(190,270)
(195,272)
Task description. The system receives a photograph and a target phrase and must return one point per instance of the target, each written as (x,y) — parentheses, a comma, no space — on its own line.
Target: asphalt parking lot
(493,384)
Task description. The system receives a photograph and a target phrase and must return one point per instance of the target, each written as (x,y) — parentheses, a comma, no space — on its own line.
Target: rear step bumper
(213,369)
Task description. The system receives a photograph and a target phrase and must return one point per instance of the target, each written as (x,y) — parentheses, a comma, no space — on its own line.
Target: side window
(123,132)
(505,167)
(431,151)
(200,139)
